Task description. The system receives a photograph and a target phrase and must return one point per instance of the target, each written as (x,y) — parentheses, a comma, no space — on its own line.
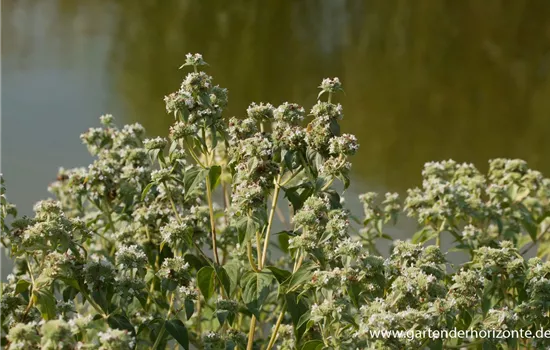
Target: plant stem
(258,250)
(251,333)
(225,203)
(270,219)
(250,257)
(163,329)
(298,262)
(297,265)
(212,219)
(276,330)
(292,176)
(193,154)
(172,203)
(31,300)
(199,315)
(438,237)
(328,184)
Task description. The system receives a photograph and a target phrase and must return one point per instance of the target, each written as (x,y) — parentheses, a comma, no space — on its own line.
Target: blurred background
(424,80)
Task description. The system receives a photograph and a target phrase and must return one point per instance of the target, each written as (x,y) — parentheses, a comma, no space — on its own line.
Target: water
(424,80)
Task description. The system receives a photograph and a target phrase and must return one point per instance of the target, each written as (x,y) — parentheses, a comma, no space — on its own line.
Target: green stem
(110,218)
(270,219)
(327,185)
(323,331)
(31,300)
(152,288)
(250,257)
(212,219)
(276,330)
(438,237)
(297,265)
(163,328)
(258,250)
(251,333)
(172,203)
(292,176)
(193,154)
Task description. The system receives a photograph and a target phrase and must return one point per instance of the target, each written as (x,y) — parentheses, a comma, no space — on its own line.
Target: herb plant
(170,242)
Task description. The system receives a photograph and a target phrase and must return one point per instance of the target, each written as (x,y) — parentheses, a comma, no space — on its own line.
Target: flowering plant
(135,253)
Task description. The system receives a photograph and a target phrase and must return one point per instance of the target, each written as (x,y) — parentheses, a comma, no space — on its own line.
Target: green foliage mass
(171,241)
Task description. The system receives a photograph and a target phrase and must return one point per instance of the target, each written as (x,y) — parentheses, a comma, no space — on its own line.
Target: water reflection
(424,80)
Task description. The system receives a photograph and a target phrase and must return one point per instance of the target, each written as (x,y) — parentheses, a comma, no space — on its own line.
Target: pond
(423,80)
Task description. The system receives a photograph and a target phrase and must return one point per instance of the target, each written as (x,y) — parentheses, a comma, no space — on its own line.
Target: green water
(424,80)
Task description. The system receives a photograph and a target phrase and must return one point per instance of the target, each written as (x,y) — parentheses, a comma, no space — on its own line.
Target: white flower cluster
(115,339)
(156,143)
(131,257)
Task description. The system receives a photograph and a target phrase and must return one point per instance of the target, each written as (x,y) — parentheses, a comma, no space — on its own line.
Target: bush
(134,252)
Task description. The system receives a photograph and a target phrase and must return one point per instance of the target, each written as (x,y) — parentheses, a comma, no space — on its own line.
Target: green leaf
(22,286)
(379,226)
(248,227)
(206,281)
(321,94)
(297,307)
(303,319)
(528,222)
(177,329)
(224,279)
(280,274)
(148,324)
(100,297)
(344,177)
(288,158)
(334,198)
(313,345)
(222,315)
(214,175)
(214,136)
(283,239)
(256,287)
(424,235)
(522,194)
(436,344)
(195,261)
(232,269)
(146,190)
(72,282)
(297,195)
(189,307)
(149,276)
(302,275)
(354,291)
(45,303)
(69,293)
(192,179)
(334,127)
(120,322)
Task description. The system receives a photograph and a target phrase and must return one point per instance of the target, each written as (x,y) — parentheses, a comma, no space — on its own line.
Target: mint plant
(169,242)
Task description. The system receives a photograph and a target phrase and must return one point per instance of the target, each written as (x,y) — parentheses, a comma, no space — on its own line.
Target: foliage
(134,253)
